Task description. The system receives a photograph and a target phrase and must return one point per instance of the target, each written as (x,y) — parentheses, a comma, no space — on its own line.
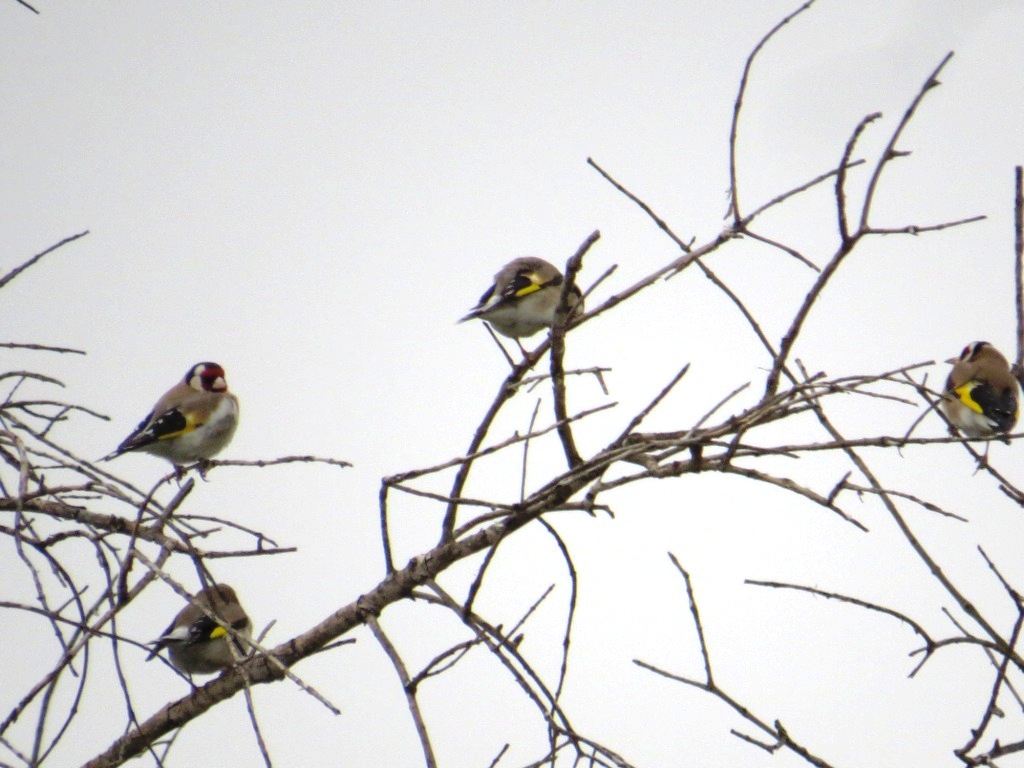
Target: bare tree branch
(5,279)
(408,687)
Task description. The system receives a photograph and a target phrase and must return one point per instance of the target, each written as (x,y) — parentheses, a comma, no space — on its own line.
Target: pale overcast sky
(312,195)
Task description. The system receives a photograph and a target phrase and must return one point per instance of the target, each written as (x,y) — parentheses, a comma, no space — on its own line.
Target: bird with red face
(192,422)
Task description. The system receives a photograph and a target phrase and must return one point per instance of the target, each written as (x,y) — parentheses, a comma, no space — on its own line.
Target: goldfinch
(197,644)
(523,298)
(981,393)
(193,421)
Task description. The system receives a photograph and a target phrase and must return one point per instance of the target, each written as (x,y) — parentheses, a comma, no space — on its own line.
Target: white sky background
(311,195)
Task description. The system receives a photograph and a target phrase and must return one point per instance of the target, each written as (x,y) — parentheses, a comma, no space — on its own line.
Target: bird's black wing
(998,405)
(150,429)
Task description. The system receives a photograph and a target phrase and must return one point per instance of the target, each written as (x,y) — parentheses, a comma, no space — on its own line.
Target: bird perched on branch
(193,421)
(981,392)
(523,298)
(196,643)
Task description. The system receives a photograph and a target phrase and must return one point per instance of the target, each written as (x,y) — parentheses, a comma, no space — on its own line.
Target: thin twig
(1018,271)
(844,230)
(410,691)
(41,347)
(662,225)
(274,462)
(734,196)
(990,710)
(21,268)
(709,679)
(572,267)
(917,628)
(890,153)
